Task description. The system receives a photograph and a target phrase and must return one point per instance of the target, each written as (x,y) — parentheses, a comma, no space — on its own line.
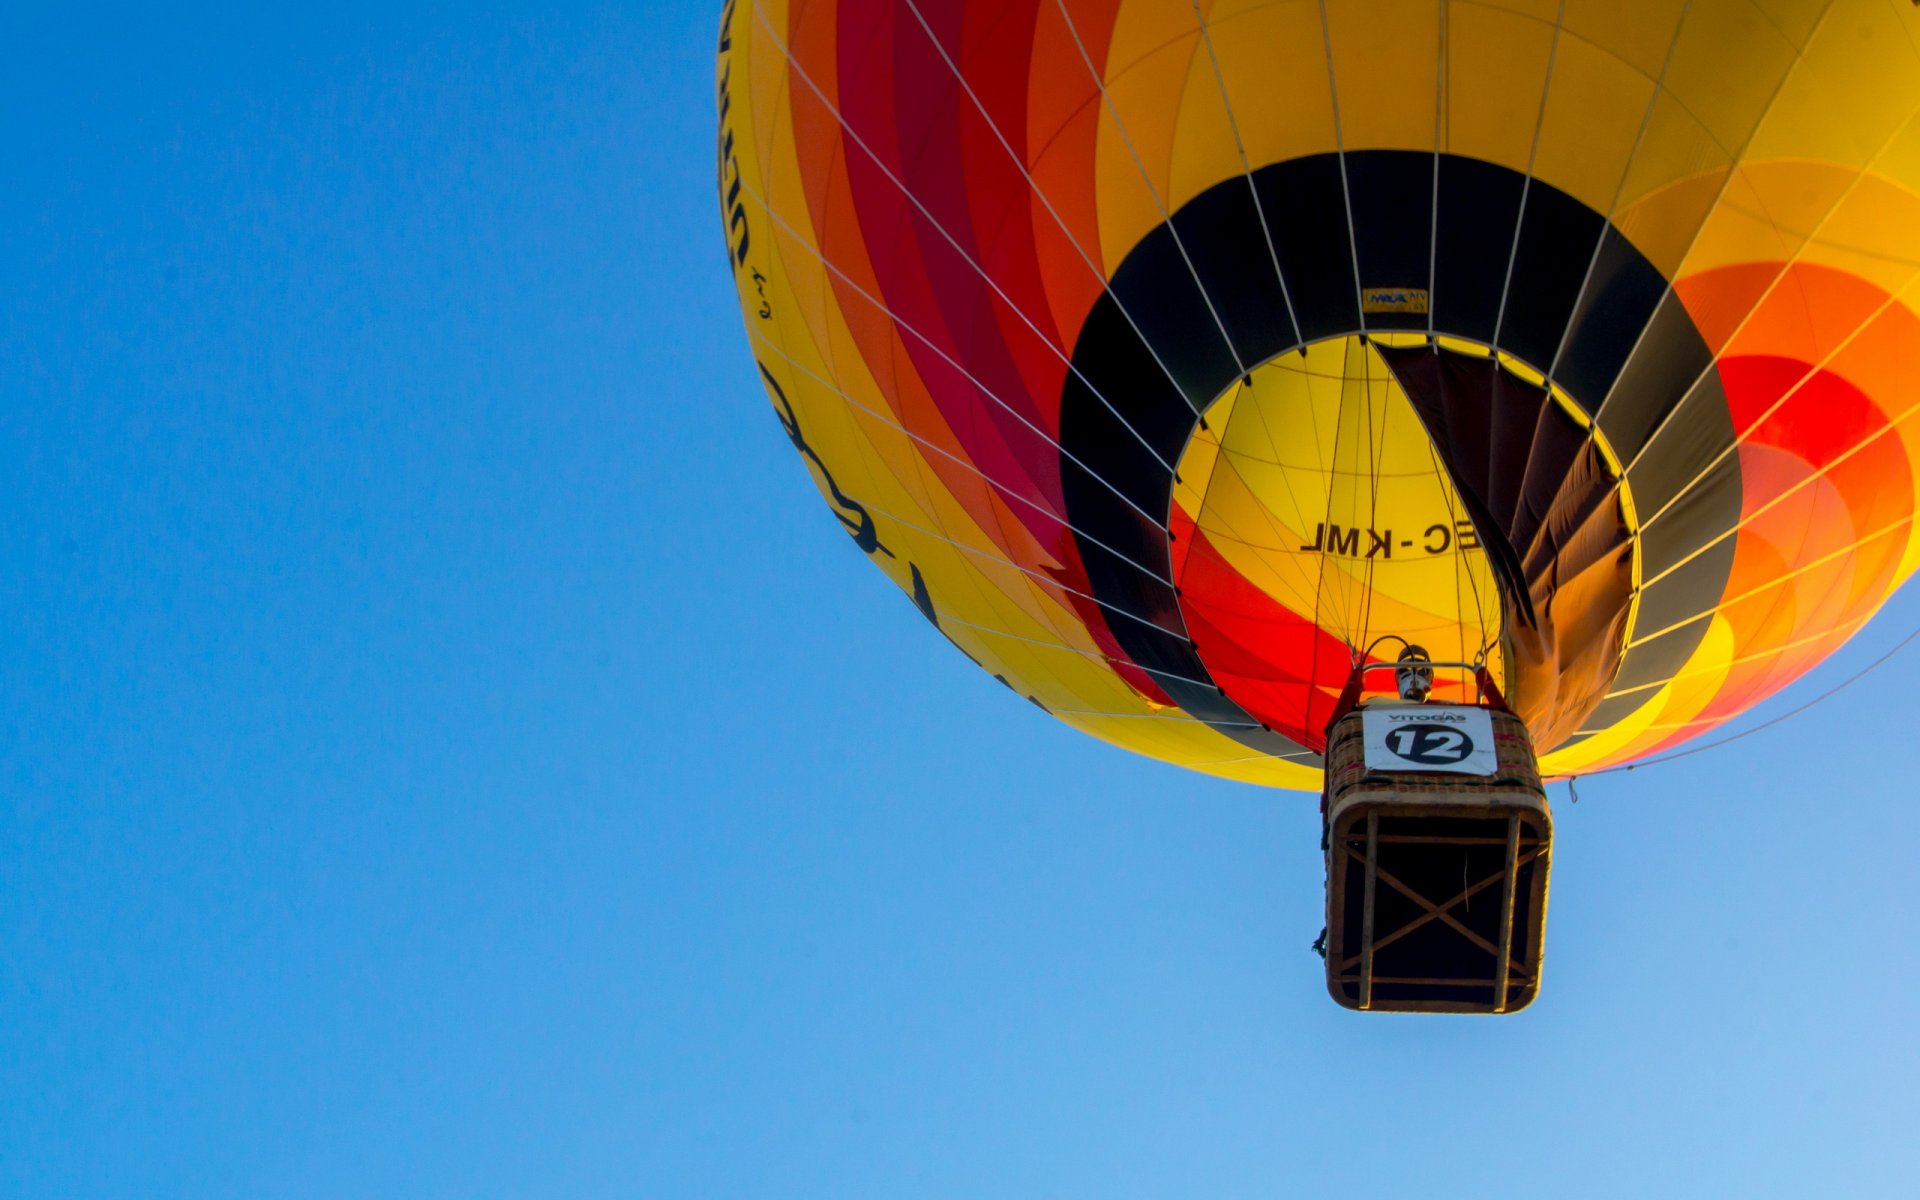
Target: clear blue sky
(447,749)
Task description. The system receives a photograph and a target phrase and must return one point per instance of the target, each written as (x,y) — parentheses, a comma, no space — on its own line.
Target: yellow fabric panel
(866,455)
(1204,151)
(1672,184)
(1729,64)
(1636,33)
(1142,31)
(1873,232)
(1136,139)
(1706,114)
(1386,67)
(1271,772)
(1679,699)
(762,117)
(1275,68)
(1795,19)
(1853,90)
(1899,162)
(1202,455)
(1329,439)
(1496,70)
(1768,212)
(1544,12)
(1596,104)
(1818,104)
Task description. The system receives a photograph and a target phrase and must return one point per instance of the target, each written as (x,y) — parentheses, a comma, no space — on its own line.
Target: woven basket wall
(1347,772)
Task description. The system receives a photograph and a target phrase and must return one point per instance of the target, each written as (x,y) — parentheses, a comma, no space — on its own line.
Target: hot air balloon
(1200,369)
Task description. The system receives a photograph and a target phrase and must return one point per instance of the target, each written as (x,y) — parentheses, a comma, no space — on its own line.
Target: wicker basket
(1433,879)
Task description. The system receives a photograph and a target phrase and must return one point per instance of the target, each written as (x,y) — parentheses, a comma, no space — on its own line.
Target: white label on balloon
(1456,739)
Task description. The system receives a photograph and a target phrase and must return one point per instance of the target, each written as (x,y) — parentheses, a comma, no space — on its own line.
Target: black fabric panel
(1453,394)
(1610,318)
(1560,446)
(1557,236)
(1305,207)
(1153,300)
(1678,470)
(1307,216)
(1479,203)
(1691,590)
(1220,232)
(1670,357)
(1392,207)
(1566,615)
(1518,409)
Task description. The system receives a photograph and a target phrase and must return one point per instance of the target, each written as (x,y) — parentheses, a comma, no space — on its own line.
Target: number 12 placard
(1454,738)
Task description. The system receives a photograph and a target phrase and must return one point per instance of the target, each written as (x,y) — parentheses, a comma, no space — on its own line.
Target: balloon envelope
(1169,355)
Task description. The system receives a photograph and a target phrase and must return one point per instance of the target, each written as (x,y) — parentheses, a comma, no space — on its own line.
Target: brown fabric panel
(1546,510)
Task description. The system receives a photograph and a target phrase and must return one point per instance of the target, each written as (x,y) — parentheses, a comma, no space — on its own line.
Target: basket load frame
(1439,842)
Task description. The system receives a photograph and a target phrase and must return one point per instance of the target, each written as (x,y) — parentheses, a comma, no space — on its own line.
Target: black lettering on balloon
(923,599)
(734,209)
(865,534)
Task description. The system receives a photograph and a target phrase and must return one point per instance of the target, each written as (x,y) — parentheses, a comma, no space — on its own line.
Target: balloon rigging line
(1375,455)
(947,619)
(1228,762)
(1733,170)
(1099,276)
(1752,312)
(1439,129)
(1247,393)
(1297,597)
(1246,168)
(1266,233)
(1666,421)
(1835,690)
(1788,493)
(1340,154)
(1620,189)
(1853,624)
(1011,493)
(1178,634)
(1812,372)
(1320,582)
(1526,183)
(1773,284)
(907,327)
(953,242)
(1181,716)
(1153,192)
(1750,593)
(1360,583)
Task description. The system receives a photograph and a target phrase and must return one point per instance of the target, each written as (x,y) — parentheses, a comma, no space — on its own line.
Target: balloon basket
(1435,880)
